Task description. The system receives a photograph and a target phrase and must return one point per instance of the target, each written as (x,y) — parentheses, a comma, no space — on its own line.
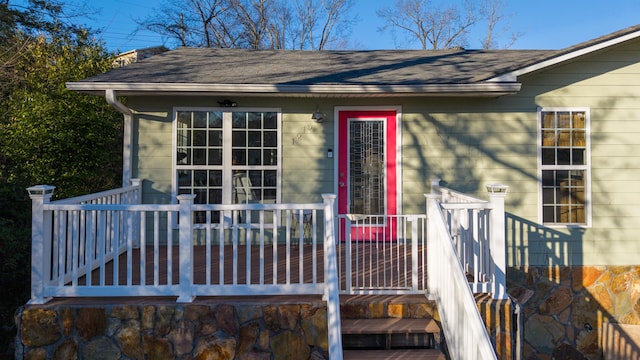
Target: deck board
(375,267)
(389,326)
(404,354)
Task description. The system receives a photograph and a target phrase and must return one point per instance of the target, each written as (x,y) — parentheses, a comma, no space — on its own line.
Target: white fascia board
(513,76)
(123,89)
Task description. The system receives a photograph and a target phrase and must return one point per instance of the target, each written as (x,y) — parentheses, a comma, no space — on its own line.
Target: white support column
(127,136)
(497,194)
(331,279)
(40,241)
(186,247)
(127,145)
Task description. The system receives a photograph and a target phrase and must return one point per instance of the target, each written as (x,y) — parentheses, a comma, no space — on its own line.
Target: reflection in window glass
(251,169)
(564,166)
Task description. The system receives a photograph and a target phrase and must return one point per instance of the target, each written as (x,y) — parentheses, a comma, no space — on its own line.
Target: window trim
(586,167)
(226,148)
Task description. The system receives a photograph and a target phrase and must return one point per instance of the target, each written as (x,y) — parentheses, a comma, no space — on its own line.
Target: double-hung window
(227,156)
(564,165)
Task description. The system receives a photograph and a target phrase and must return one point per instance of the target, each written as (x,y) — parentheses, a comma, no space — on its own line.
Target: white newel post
(497,194)
(186,247)
(40,241)
(331,292)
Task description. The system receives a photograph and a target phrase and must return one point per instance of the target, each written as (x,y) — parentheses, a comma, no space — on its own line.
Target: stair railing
(452,242)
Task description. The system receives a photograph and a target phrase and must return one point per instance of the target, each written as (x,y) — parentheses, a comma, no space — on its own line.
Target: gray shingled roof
(451,71)
(396,67)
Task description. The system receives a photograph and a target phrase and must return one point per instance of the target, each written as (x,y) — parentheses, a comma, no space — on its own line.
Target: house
(248,130)
(135,55)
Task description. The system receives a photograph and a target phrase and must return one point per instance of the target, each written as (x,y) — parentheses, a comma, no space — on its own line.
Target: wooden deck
(371,268)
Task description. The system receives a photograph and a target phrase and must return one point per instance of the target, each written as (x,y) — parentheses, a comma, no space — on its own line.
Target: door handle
(341,184)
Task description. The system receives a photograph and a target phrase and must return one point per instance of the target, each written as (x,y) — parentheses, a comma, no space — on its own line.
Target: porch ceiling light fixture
(318,116)
(497,188)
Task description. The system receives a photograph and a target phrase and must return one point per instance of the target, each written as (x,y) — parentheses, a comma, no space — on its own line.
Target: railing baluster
(221,260)
(288,249)
(143,248)
(101,234)
(314,251)
(59,247)
(116,255)
(207,247)
(261,238)
(170,216)
(348,257)
(301,221)
(248,245)
(156,248)
(235,247)
(130,228)
(276,220)
(76,249)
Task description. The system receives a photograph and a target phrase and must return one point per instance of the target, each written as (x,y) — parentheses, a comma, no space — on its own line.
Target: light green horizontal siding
(609,84)
(469,143)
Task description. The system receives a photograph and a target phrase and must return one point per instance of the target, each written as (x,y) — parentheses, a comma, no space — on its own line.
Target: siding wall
(468,142)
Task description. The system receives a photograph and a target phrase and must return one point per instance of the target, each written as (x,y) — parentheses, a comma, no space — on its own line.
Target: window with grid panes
(564,166)
(227,157)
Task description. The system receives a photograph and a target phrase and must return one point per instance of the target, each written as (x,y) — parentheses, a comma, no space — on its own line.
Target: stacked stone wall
(564,308)
(173,331)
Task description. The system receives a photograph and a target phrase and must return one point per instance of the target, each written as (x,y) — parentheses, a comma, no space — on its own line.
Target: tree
(433,27)
(252,24)
(48,135)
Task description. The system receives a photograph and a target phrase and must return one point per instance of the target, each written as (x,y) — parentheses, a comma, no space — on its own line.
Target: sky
(544,24)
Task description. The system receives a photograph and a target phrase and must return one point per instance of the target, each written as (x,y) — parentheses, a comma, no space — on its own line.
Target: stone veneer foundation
(231,329)
(220,328)
(564,308)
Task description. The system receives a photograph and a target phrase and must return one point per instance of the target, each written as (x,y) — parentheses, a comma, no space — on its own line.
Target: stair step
(389,326)
(404,354)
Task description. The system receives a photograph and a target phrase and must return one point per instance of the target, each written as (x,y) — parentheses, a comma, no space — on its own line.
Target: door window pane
(366,167)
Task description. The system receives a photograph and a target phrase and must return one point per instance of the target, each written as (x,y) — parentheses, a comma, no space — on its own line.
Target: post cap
(40,190)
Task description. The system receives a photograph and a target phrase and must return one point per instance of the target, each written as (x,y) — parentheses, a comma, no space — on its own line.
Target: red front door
(367,177)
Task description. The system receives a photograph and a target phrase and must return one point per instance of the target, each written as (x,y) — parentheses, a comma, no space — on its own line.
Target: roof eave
(581,51)
(491,89)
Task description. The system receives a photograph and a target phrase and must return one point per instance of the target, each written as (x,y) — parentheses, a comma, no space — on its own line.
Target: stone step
(404,354)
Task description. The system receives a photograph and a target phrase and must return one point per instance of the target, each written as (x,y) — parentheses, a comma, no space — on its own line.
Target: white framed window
(564,166)
(227,156)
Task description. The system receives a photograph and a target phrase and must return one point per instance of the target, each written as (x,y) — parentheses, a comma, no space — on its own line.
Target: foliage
(48,135)
(56,136)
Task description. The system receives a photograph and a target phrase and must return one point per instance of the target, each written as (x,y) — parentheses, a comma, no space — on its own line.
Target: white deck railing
(462,232)
(109,244)
(477,231)
(382,254)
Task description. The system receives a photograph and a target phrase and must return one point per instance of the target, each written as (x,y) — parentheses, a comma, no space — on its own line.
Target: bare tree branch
(493,13)
(431,26)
